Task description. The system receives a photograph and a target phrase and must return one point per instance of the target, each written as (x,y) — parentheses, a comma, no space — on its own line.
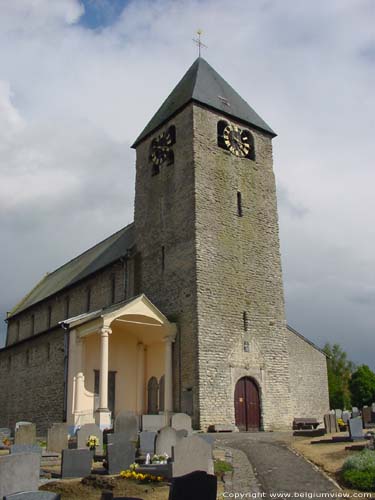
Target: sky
(79,81)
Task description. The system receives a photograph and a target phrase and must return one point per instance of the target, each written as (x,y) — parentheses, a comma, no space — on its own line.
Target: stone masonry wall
(238,270)
(32,366)
(165,217)
(32,381)
(308,378)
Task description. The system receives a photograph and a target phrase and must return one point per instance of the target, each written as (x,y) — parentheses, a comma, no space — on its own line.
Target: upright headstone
(89,430)
(127,423)
(346,416)
(57,438)
(166,438)
(355,412)
(182,421)
(197,485)
(373,413)
(76,463)
(333,423)
(327,423)
(34,495)
(366,416)
(120,452)
(355,428)
(19,472)
(153,422)
(338,413)
(147,442)
(25,434)
(26,448)
(185,449)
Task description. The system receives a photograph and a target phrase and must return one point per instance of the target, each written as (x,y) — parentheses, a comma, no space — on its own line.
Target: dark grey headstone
(147,442)
(125,422)
(181,421)
(185,449)
(87,430)
(166,438)
(58,438)
(25,448)
(197,485)
(355,428)
(19,472)
(34,495)
(366,415)
(25,434)
(120,452)
(187,402)
(76,463)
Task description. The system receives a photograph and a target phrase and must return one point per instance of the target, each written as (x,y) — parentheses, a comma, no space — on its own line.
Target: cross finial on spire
(198,42)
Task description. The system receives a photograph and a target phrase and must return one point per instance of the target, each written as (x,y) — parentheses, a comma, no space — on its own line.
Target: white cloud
(73,100)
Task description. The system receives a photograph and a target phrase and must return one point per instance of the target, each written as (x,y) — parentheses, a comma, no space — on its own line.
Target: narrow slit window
(239,204)
(245,321)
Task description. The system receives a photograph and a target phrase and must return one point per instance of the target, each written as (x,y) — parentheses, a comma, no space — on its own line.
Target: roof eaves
(306,340)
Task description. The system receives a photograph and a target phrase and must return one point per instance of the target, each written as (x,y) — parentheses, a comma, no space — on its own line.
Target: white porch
(130,341)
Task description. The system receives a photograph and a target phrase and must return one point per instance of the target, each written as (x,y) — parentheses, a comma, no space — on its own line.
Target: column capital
(169,339)
(105,331)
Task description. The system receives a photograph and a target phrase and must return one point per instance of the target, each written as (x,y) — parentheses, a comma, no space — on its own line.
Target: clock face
(237,141)
(161,147)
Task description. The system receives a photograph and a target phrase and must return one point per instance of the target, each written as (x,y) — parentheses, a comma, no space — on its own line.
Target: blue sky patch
(101,13)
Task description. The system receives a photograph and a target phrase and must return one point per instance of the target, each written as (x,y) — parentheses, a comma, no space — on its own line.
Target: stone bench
(305,423)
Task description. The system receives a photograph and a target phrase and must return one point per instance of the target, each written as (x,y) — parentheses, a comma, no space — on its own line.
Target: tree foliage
(339,374)
(362,386)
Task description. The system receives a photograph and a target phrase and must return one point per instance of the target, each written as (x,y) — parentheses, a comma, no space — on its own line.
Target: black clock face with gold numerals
(161,147)
(237,141)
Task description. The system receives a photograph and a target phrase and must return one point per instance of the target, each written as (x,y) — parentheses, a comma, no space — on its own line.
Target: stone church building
(182,310)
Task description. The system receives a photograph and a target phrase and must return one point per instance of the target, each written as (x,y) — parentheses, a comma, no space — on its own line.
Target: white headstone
(182,421)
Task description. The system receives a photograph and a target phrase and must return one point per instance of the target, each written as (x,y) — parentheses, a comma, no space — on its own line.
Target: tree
(339,374)
(362,386)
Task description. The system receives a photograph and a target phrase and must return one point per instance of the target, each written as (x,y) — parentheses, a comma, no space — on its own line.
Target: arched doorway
(247,405)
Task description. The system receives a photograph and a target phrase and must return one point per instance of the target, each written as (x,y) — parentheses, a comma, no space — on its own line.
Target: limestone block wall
(308,378)
(165,238)
(32,381)
(238,272)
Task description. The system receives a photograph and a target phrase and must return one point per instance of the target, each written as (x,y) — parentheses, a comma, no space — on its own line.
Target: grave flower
(92,442)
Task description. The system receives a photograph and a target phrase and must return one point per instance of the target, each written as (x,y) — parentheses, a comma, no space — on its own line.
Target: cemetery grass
(329,457)
(73,489)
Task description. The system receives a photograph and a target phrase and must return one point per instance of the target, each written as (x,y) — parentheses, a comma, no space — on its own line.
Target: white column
(103,415)
(168,374)
(80,381)
(140,377)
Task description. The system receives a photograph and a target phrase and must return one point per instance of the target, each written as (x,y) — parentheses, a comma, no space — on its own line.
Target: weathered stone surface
(165,440)
(346,416)
(189,447)
(128,423)
(153,422)
(355,428)
(19,472)
(57,438)
(34,495)
(89,430)
(181,421)
(25,448)
(25,434)
(147,442)
(76,463)
(120,452)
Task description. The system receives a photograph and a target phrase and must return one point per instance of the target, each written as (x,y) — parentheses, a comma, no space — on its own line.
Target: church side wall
(32,382)
(308,378)
(238,271)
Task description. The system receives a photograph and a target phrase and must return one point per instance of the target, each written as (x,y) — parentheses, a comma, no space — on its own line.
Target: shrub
(359,471)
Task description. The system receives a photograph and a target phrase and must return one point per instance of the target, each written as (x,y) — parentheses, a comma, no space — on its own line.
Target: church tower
(208,252)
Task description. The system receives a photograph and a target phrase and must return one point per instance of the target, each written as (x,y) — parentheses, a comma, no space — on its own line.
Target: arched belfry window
(152,395)
(220,133)
(161,149)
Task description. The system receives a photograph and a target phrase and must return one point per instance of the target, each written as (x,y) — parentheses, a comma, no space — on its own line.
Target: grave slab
(26,448)
(182,421)
(189,447)
(128,423)
(57,439)
(76,463)
(25,434)
(165,440)
(355,429)
(153,422)
(89,430)
(120,452)
(147,442)
(19,472)
(34,495)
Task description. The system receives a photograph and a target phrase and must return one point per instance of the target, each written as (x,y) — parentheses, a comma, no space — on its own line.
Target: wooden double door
(247,405)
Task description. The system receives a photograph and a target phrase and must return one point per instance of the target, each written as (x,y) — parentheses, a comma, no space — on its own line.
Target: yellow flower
(160,478)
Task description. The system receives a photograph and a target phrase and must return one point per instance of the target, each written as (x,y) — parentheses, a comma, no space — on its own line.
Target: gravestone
(182,433)
(120,452)
(76,463)
(197,485)
(338,413)
(373,413)
(355,412)
(4,434)
(208,438)
(89,430)
(147,442)
(25,434)
(25,448)
(19,472)
(355,428)
(57,439)
(34,495)
(181,421)
(327,423)
(21,422)
(346,416)
(127,423)
(366,416)
(189,447)
(333,422)
(166,438)
(154,422)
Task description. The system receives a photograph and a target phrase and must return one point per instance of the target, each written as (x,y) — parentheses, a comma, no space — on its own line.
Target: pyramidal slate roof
(95,258)
(202,84)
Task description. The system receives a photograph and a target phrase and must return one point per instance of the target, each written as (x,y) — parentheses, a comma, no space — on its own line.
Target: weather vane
(199,42)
